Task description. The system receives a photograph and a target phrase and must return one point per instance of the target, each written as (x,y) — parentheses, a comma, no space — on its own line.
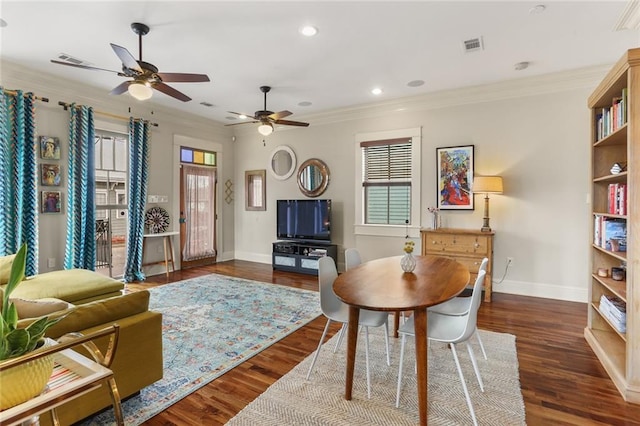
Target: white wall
(533,132)
(52,120)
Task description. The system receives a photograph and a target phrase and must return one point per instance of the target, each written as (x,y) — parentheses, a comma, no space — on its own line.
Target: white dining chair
(337,311)
(451,330)
(460,306)
(352,259)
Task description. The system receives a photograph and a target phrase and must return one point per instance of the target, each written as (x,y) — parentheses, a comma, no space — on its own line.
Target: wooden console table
(467,246)
(168,249)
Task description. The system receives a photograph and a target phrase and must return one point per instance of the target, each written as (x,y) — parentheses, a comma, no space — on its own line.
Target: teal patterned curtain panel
(139,135)
(18,177)
(80,250)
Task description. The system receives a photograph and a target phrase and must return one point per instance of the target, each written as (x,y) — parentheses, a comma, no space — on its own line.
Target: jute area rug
(293,400)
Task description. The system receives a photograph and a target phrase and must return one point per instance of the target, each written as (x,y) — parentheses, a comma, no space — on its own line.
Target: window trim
(360,228)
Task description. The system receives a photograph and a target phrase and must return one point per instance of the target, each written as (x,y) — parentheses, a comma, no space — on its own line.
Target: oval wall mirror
(282,163)
(313,177)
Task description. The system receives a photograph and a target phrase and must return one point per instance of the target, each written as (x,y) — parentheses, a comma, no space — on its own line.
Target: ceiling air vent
(207,104)
(71,59)
(473,44)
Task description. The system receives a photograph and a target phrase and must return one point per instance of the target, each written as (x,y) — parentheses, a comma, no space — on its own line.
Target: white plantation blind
(387,181)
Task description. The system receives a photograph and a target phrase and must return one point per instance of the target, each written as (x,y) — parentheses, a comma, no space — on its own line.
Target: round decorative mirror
(313,177)
(282,163)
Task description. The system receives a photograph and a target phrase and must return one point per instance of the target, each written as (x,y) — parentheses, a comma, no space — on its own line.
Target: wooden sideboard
(467,246)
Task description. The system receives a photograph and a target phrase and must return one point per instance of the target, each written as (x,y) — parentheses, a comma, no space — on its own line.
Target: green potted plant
(26,381)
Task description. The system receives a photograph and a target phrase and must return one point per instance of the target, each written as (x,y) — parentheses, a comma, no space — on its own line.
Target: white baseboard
(547,291)
(253,257)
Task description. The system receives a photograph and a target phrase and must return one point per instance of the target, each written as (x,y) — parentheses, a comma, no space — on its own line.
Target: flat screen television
(304,220)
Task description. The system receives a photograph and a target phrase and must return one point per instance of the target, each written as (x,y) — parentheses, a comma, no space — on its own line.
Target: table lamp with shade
(488,185)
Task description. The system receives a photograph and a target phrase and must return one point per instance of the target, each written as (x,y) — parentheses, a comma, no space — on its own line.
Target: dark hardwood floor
(562,381)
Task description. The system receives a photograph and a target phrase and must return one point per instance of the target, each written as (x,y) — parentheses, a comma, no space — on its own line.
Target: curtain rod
(15,93)
(108,114)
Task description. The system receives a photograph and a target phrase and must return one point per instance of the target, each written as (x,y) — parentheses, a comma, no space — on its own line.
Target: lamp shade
(488,184)
(140,91)
(265,129)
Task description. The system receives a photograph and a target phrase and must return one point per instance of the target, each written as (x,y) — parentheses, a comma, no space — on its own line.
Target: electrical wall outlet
(510,261)
(51,262)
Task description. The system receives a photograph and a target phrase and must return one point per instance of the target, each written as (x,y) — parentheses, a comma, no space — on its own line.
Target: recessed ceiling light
(304,104)
(308,30)
(3,23)
(376,91)
(415,83)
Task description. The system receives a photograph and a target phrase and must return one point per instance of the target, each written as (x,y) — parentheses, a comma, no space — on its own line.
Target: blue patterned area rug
(210,325)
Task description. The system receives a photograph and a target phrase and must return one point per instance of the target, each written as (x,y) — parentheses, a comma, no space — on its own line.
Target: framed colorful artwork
(50,202)
(49,175)
(455,177)
(49,148)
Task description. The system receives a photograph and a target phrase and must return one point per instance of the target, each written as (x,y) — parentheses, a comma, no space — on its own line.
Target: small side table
(168,249)
(81,375)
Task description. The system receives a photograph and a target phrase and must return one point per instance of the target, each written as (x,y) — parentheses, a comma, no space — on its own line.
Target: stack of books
(617,198)
(610,119)
(615,310)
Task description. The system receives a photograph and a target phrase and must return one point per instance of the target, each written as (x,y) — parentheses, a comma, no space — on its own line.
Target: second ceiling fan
(268,118)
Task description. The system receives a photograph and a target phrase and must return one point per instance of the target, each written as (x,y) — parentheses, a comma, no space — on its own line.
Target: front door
(197,215)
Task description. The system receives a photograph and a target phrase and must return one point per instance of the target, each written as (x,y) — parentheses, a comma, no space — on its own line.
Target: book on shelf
(610,119)
(607,228)
(617,201)
(615,310)
(616,305)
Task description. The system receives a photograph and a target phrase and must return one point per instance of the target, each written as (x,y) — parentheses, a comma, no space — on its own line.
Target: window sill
(387,230)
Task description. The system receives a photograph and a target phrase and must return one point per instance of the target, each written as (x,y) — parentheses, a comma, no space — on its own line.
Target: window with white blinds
(386,181)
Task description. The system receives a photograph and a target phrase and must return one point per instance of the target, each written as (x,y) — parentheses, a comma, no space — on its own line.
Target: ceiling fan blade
(246,115)
(85,67)
(279,115)
(168,90)
(128,60)
(291,123)
(178,77)
(244,122)
(121,88)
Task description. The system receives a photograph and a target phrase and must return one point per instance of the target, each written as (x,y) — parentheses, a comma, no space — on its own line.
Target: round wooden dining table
(381,285)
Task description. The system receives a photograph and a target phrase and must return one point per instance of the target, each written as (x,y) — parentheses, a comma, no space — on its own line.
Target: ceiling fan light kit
(265,129)
(140,91)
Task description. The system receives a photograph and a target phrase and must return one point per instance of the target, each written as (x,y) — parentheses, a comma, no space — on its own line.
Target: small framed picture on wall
(49,148)
(51,201)
(455,177)
(49,174)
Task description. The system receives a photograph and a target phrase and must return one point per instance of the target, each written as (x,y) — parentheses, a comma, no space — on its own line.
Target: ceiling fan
(144,75)
(268,118)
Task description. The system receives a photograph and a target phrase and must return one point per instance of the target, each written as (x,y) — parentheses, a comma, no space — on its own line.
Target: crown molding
(584,78)
(630,17)
(59,88)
